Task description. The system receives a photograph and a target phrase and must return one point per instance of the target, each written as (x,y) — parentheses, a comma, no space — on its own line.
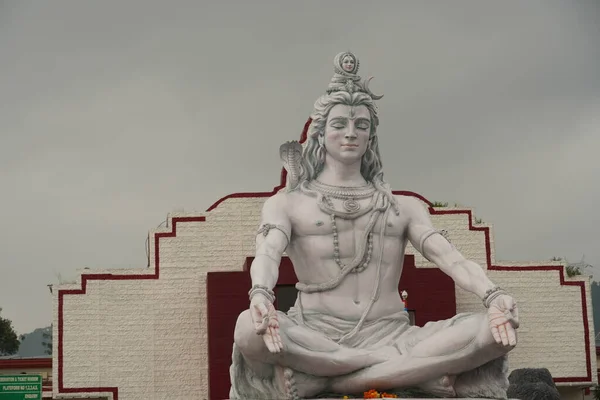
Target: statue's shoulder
(410,205)
(407,200)
(281,202)
(285,203)
(275,210)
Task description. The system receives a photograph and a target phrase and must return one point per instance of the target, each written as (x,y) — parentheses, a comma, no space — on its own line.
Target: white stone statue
(346,234)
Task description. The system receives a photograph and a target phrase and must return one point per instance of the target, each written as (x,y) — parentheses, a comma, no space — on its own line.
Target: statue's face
(348,64)
(347,133)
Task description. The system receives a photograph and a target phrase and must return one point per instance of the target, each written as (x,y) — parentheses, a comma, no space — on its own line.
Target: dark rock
(533,391)
(531,375)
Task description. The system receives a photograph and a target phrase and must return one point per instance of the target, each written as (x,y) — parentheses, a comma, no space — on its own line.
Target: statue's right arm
(271,241)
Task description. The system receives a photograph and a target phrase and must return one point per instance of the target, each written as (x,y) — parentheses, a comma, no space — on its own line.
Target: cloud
(116,113)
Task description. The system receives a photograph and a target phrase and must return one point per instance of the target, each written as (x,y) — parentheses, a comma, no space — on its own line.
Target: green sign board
(20,387)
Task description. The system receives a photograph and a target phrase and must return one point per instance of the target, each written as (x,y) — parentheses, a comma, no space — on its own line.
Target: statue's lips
(349,145)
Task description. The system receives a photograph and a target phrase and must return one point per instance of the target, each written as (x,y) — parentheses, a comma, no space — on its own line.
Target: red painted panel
(227,297)
(430,292)
(16,363)
(431,295)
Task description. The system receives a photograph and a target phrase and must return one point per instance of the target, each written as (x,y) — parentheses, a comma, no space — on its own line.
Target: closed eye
(338,123)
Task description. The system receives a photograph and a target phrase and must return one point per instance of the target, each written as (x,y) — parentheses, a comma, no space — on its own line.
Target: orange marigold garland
(374,394)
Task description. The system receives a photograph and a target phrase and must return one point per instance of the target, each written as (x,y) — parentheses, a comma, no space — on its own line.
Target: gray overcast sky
(115,113)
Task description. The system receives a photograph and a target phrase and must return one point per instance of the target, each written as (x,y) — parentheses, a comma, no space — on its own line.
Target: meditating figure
(346,233)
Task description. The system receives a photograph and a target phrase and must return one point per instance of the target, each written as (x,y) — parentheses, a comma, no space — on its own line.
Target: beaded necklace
(336,247)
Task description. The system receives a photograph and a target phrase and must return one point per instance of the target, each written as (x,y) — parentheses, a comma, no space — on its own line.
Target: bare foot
(443,386)
(295,383)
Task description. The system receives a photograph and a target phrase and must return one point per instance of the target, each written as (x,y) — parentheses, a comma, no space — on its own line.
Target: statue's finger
(260,326)
(515,317)
(496,334)
(503,334)
(278,339)
(257,312)
(256,315)
(508,302)
(269,342)
(277,342)
(273,327)
(264,312)
(272,336)
(275,337)
(512,335)
(512,319)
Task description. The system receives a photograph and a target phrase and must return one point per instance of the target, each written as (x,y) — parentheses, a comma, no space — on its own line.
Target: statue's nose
(350,133)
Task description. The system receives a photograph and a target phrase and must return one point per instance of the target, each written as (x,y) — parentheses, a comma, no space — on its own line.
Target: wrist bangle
(265,291)
(492,294)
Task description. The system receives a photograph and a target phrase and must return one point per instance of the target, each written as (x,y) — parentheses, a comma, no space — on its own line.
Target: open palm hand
(266,323)
(503,317)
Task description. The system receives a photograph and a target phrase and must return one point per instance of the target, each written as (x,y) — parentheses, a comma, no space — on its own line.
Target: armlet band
(265,228)
(424,237)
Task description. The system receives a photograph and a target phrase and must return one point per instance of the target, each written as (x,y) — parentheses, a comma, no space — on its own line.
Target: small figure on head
(348,62)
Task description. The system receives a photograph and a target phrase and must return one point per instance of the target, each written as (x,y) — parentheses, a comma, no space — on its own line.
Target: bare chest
(308,219)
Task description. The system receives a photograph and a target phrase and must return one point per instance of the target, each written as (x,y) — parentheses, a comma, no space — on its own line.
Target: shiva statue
(346,233)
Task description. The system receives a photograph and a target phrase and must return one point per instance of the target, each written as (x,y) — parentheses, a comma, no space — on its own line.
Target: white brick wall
(149,337)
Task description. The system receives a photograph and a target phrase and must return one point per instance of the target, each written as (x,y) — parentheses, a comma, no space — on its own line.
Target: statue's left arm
(466,274)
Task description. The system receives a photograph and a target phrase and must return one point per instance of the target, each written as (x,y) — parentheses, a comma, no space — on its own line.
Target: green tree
(573,268)
(9,341)
(47,343)
(596,392)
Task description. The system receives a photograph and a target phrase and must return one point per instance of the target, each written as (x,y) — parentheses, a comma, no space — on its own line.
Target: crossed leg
(315,357)
(448,352)
(324,365)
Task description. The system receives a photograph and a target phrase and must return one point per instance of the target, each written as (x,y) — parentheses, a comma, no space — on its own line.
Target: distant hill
(31,344)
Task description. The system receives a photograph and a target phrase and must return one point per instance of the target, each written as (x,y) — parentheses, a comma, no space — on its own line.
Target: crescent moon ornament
(366,85)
